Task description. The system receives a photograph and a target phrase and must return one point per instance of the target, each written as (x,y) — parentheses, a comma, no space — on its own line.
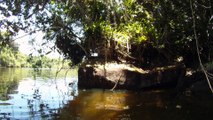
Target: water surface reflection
(25,94)
(33,95)
(99,104)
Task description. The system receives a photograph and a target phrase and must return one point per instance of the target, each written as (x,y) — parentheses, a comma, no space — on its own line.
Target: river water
(39,95)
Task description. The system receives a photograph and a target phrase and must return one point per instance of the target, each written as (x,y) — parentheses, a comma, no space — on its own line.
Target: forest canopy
(142,32)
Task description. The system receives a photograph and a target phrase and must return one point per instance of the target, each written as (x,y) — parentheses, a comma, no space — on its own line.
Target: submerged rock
(124,76)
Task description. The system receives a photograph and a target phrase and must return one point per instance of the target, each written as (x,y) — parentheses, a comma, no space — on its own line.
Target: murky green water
(25,94)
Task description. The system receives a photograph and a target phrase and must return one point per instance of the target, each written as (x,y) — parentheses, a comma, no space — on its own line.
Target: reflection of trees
(33,103)
(8,82)
(9,78)
(6,88)
(44,108)
(51,73)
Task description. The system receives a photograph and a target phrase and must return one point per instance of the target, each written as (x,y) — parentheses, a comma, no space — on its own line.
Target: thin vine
(197,48)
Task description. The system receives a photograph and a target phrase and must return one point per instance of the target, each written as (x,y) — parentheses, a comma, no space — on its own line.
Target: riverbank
(127,76)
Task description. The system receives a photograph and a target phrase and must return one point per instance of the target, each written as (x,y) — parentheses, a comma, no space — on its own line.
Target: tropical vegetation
(144,33)
(10,57)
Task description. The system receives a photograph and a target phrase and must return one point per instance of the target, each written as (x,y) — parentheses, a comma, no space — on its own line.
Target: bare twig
(59,69)
(210,74)
(206,7)
(31,32)
(116,83)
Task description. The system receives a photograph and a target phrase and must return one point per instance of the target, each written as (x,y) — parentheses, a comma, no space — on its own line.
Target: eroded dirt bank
(125,76)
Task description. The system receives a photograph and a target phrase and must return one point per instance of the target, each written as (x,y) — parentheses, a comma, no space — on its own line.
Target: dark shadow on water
(130,105)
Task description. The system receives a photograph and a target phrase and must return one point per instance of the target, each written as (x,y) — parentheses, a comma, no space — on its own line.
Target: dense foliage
(141,32)
(10,58)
